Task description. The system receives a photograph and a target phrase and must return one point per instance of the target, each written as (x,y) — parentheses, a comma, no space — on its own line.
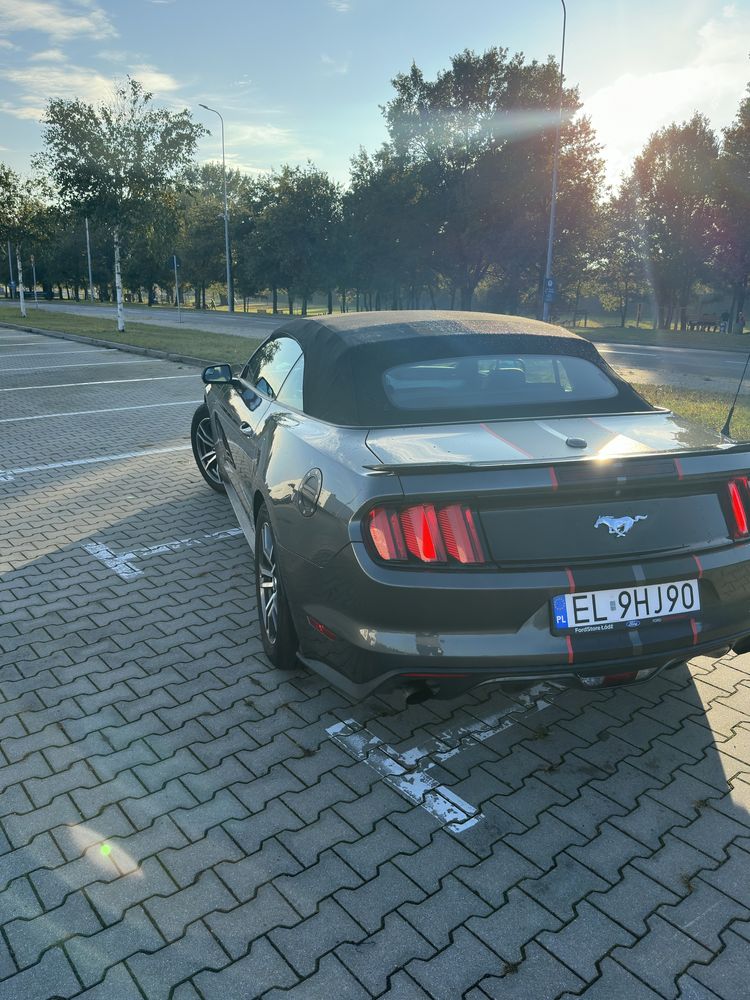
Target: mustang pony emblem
(619,526)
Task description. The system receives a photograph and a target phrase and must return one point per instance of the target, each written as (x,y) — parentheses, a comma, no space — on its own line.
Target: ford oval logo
(619,526)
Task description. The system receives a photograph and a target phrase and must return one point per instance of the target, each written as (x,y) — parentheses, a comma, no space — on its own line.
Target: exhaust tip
(415,694)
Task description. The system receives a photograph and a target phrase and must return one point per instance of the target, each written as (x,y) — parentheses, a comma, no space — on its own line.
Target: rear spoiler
(666,466)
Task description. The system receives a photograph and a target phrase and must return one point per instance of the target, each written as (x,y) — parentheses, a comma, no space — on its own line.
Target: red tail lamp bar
(425,533)
(739,494)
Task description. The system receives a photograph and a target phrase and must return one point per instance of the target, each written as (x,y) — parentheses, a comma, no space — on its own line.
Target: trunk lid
(521,441)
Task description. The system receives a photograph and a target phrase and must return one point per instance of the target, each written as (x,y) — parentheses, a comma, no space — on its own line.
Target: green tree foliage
(734,183)
(114,162)
(482,136)
(676,180)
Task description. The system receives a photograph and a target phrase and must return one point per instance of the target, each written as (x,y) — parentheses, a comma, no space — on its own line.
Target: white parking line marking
(89,364)
(416,787)
(47,354)
(112,381)
(8,475)
(121,564)
(24,343)
(399,770)
(111,409)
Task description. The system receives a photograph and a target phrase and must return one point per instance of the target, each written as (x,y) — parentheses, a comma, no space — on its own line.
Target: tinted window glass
(291,391)
(271,364)
(447,385)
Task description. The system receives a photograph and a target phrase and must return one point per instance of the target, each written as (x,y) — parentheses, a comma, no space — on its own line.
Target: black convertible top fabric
(345,357)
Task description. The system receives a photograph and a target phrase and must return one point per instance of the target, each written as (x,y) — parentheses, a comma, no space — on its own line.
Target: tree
(676,179)
(482,136)
(112,162)
(734,184)
(619,263)
(300,224)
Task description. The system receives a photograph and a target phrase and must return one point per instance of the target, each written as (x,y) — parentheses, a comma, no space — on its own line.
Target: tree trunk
(356,300)
(290,300)
(152,295)
(431,292)
(140,296)
(21,299)
(275,295)
(638,316)
(59,292)
(330,302)
(304,305)
(623,309)
(118,284)
(377,301)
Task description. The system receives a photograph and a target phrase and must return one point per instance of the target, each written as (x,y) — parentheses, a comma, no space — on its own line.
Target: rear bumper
(466,628)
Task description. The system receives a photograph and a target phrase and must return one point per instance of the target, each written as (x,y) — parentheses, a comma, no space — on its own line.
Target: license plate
(626,606)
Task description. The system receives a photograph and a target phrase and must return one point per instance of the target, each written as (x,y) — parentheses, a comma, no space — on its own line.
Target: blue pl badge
(560,612)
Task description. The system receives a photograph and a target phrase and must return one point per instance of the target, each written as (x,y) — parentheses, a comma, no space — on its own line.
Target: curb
(148,352)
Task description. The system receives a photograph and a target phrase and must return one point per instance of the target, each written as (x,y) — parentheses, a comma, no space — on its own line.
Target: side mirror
(217,373)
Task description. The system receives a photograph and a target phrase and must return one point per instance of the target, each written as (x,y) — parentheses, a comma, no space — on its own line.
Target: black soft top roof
(346,355)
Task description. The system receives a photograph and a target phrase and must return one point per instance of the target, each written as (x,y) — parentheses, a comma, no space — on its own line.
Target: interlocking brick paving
(176,820)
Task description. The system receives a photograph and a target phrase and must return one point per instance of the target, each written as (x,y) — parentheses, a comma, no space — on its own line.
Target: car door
(246,405)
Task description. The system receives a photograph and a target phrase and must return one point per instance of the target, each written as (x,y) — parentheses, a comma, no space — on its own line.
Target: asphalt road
(714,371)
(717,371)
(180,819)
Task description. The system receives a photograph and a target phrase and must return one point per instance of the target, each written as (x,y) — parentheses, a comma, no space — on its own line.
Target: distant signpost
(549,289)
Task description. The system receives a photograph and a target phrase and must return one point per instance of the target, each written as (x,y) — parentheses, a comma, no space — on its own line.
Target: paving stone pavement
(177,821)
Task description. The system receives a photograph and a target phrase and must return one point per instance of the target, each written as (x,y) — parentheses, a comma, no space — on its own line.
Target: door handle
(247,428)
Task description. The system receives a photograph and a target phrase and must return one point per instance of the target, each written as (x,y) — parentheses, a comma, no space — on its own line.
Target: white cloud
(342,6)
(335,67)
(7,44)
(626,112)
(59,20)
(39,83)
(48,55)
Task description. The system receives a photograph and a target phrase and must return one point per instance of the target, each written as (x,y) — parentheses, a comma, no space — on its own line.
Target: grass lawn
(172,339)
(707,408)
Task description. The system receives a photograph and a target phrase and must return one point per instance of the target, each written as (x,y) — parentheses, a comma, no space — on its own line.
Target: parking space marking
(88,364)
(8,475)
(111,409)
(112,381)
(47,354)
(415,786)
(400,770)
(23,343)
(121,564)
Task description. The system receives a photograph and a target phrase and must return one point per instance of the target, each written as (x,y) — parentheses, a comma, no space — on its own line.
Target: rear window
(447,386)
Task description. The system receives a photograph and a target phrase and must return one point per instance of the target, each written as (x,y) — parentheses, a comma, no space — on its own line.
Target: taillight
(738,494)
(426,533)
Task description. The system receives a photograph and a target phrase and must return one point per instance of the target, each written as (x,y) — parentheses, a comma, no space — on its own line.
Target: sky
(300,80)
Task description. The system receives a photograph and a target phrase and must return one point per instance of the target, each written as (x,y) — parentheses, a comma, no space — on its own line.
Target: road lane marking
(47,354)
(24,343)
(111,409)
(8,475)
(112,381)
(88,364)
(121,563)
(400,770)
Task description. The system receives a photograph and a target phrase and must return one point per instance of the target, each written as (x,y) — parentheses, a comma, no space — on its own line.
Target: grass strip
(180,340)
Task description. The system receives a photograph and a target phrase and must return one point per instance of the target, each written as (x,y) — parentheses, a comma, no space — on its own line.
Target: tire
(204,449)
(276,627)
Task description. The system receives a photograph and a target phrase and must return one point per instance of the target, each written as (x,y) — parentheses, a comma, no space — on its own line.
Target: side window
(271,364)
(291,391)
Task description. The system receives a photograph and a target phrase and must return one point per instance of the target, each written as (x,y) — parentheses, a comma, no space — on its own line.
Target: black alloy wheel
(276,628)
(204,449)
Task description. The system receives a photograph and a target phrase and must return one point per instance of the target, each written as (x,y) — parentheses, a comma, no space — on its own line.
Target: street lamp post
(230,280)
(549,284)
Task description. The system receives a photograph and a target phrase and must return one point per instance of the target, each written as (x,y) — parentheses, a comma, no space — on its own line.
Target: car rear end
(461,575)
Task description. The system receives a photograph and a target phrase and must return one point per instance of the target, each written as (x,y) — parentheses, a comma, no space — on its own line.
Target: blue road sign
(549,289)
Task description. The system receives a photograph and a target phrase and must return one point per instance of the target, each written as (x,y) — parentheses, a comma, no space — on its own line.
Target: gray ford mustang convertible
(439,500)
